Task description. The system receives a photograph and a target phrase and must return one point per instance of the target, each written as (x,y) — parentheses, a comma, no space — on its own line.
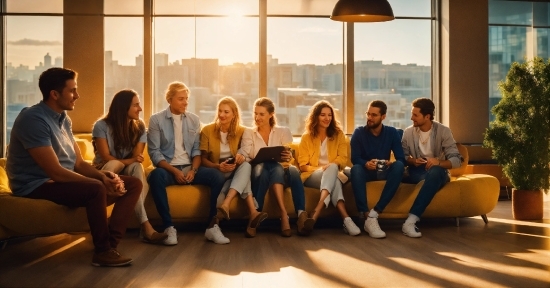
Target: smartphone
(230,160)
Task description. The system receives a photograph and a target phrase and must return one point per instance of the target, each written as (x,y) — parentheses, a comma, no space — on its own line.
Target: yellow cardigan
(310,150)
(210,142)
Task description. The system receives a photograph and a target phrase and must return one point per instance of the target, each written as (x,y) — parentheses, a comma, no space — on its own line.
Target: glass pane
(123,56)
(206,7)
(392,64)
(221,59)
(304,66)
(411,8)
(174,41)
(123,7)
(543,42)
(300,7)
(506,45)
(541,14)
(34,6)
(508,12)
(33,44)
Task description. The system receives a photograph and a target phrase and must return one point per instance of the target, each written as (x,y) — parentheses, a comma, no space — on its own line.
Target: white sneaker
(350,227)
(411,230)
(373,229)
(172,236)
(215,235)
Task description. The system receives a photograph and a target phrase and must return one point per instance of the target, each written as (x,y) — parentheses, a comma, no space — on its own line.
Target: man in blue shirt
(370,154)
(44,162)
(173,141)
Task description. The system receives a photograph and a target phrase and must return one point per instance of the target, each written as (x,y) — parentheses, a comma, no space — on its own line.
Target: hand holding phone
(230,160)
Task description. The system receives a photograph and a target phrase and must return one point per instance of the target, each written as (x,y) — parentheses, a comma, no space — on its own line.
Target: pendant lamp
(362,11)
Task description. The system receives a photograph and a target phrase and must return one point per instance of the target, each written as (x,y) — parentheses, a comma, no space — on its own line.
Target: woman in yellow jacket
(219,146)
(323,153)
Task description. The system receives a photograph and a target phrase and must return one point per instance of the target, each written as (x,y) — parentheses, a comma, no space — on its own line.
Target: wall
(83,48)
(464,68)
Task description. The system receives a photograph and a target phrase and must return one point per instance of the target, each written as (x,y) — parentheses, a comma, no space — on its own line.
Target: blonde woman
(219,146)
(271,175)
(322,156)
(119,139)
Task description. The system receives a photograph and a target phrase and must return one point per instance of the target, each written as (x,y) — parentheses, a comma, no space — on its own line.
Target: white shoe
(411,230)
(215,235)
(350,227)
(373,229)
(172,236)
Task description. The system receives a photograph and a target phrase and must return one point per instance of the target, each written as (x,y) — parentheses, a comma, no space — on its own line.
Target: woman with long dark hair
(119,139)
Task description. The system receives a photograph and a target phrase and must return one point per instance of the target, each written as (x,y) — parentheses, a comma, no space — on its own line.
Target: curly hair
(125,133)
(313,120)
(235,122)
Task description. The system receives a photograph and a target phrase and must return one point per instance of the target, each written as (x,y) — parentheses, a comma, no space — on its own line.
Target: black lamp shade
(362,11)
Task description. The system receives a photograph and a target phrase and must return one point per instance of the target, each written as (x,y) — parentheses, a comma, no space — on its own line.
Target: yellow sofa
(465,196)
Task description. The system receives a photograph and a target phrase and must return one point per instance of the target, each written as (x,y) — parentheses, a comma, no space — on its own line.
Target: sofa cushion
(4,182)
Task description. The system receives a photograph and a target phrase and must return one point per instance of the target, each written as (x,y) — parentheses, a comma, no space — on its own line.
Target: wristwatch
(194,169)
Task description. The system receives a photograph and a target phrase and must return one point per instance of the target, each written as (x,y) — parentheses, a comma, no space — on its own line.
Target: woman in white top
(119,139)
(219,146)
(323,153)
(271,175)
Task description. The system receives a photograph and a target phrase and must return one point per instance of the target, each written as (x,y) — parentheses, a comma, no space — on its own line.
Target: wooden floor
(504,253)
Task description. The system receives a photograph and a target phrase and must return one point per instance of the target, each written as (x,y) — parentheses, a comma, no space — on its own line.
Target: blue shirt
(365,146)
(160,136)
(102,130)
(38,126)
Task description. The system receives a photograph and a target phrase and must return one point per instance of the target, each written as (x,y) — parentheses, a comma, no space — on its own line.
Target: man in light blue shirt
(173,142)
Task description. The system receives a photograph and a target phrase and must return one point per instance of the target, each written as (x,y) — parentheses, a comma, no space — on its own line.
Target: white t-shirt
(225,151)
(425,143)
(323,157)
(180,155)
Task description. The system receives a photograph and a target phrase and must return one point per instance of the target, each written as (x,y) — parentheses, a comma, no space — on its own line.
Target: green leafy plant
(520,135)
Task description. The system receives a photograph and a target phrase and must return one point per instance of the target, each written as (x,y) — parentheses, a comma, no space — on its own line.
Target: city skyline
(315,41)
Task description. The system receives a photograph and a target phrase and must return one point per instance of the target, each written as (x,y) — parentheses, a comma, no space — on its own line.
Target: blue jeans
(434,179)
(160,178)
(266,174)
(361,175)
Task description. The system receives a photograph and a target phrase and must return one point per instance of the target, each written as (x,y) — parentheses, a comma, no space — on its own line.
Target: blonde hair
(235,122)
(174,88)
(269,106)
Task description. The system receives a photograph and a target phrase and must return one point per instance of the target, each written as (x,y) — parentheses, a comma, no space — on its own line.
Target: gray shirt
(38,126)
(102,130)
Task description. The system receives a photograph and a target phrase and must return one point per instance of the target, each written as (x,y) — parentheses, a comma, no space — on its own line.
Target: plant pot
(527,204)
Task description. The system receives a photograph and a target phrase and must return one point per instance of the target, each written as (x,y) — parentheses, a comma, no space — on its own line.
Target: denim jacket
(160,136)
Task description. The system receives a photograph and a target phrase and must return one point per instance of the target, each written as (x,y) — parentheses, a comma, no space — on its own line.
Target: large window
(214,56)
(33,44)
(517,31)
(393,62)
(221,48)
(304,66)
(123,56)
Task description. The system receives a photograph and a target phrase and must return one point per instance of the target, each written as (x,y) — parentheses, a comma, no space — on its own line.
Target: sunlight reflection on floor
(353,270)
(53,253)
(541,257)
(518,270)
(443,273)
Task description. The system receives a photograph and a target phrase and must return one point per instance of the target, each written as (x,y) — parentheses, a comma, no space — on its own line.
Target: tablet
(266,154)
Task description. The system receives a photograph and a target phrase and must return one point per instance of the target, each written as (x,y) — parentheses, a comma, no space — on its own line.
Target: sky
(233,39)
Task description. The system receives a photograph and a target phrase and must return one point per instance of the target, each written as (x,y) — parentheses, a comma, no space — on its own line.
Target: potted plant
(520,135)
